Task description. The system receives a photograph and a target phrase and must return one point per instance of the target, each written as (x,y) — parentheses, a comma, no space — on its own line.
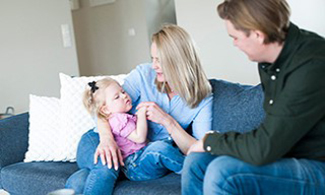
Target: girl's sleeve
(202,123)
(125,125)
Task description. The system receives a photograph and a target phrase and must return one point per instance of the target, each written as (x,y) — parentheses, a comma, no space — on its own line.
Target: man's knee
(196,162)
(222,167)
(193,159)
(219,173)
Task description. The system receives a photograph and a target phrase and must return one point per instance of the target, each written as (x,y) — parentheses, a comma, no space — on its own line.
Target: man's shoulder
(311,45)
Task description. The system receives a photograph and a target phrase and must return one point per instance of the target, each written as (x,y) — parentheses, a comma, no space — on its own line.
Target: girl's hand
(142,111)
(155,113)
(196,147)
(109,152)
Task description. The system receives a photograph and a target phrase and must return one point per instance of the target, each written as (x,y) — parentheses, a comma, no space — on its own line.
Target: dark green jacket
(294,88)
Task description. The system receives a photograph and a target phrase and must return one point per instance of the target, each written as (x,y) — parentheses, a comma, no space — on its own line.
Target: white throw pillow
(45,135)
(75,120)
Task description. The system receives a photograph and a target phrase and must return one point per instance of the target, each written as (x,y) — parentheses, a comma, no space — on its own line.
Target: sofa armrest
(13,139)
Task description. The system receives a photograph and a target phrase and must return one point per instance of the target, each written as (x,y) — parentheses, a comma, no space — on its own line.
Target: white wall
(102,35)
(104,44)
(159,12)
(309,15)
(219,57)
(31,50)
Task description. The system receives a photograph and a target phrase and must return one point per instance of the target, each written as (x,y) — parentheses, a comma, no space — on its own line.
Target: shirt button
(277,70)
(169,138)
(271,102)
(273,77)
(263,66)
(208,148)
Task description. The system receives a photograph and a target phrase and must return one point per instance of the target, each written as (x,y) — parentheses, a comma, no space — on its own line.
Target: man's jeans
(207,174)
(152,162)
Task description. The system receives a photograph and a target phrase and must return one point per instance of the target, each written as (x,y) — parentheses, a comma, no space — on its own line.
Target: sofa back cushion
(236,107)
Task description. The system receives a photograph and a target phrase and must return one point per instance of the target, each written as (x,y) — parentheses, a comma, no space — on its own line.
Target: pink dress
(122,124)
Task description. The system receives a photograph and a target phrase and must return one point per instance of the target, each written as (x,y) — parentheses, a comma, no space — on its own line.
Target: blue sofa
(236,107)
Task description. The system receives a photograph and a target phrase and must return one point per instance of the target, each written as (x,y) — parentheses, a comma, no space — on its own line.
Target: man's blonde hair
(181,65)
(268,16)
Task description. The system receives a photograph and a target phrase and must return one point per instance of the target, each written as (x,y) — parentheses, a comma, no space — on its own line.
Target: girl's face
(117,100)
(156,63)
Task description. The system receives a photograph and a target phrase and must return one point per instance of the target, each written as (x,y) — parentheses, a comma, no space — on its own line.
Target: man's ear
(259,35)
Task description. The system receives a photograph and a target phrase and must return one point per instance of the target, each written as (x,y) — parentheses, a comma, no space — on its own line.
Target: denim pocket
(135,172)
(130,162)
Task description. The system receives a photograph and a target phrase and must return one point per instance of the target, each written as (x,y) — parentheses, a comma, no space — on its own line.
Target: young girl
(107,99)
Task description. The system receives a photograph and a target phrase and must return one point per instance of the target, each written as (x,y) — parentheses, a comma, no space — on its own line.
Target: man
(286,154)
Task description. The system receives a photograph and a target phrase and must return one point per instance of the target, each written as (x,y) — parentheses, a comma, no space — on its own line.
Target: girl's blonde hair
(94,96)
(181,65)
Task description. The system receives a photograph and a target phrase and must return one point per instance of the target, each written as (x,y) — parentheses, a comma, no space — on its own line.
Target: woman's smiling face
(156,63)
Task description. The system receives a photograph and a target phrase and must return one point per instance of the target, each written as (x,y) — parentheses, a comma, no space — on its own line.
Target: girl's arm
(179,135)
(107,149)
(139,135)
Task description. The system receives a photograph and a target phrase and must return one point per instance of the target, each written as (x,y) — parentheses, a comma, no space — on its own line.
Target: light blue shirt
(140,85)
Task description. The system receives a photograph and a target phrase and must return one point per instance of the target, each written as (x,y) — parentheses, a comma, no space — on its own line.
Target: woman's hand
(196,147)
(107,149)
(155,113)
(109,152)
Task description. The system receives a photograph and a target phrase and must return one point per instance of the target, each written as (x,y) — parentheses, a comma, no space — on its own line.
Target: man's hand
(109,152)
(196,147)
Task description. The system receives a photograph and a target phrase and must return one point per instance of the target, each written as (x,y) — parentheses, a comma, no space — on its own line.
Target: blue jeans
(91,178)
(207,174)
(153,161)
(96,179)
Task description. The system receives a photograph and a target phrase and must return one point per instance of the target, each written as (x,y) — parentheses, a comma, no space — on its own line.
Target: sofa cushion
(36,178)
(236,107)
(13,137)
(45,133)
(170,184)
(75,120)
(13,140)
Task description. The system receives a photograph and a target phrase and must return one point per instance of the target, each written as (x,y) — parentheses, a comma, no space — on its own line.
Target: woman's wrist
(169,124)
(105,136)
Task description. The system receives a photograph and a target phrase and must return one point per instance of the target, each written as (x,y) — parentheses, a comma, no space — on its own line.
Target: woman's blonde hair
(181,65)
(272,17)
(94,96)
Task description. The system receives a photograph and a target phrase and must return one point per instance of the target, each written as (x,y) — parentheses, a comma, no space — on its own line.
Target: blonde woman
(175,91)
